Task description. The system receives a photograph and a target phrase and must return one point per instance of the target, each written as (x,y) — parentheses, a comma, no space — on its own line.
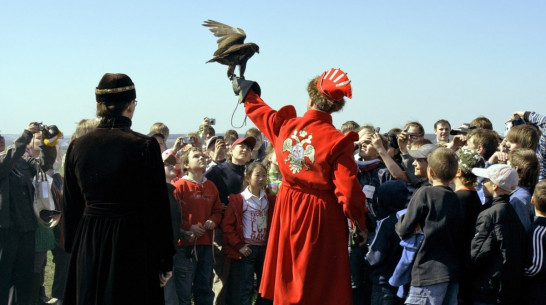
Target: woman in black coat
(116,209)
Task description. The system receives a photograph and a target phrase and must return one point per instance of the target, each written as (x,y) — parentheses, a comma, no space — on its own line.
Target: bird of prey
(232,49)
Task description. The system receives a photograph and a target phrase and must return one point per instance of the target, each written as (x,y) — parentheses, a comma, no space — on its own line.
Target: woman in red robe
(307,260)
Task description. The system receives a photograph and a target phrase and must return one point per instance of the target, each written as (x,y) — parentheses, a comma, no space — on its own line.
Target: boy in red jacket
(201,213)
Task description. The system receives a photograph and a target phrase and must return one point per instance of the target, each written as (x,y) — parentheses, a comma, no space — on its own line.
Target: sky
(408,60)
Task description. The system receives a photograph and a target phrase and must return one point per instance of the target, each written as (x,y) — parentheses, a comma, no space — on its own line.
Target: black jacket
(228,179)
(497,254)
(436,209)
(117,218)
(16,189)
(385,249)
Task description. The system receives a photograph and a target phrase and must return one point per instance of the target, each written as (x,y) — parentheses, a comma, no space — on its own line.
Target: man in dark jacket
(17,220)
(497,249)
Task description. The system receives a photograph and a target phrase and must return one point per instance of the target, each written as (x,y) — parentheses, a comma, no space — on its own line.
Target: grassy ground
(50,270)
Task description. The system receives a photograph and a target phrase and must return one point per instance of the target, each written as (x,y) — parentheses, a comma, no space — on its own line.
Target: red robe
(307,260)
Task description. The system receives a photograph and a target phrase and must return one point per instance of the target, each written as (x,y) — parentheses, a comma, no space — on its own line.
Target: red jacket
(232,225)
(199,203)
(307,246)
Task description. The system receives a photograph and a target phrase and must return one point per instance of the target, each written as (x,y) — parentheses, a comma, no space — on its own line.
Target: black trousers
(16,264)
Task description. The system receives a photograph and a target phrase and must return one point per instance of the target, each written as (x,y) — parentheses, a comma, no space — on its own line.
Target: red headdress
(334,84)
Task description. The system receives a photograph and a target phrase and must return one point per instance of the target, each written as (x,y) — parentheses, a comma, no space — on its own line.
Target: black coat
(497,254)
(117,220)
(16,190)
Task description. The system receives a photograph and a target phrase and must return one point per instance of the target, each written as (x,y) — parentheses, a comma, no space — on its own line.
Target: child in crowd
(258,152)
(245,227)
(539,121)
(385,249)
(465,188)
(419,152)
(535,270)
(498,245)
(228,178)
(482,141)
(520,136)
(169,161)
(412,132)
(201,212)
(372,173)
(525,162)
(272,166)
(437,211)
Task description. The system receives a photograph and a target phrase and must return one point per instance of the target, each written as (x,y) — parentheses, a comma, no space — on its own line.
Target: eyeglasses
(136,102)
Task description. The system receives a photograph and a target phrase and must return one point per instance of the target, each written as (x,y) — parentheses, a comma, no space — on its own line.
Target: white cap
(505,176)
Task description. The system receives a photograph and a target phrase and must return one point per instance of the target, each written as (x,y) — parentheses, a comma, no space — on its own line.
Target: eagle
(232,49)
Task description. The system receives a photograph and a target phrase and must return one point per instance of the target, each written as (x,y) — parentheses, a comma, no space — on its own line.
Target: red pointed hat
(334,84)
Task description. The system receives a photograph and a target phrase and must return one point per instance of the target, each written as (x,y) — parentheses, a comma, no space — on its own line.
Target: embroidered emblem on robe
(299,147)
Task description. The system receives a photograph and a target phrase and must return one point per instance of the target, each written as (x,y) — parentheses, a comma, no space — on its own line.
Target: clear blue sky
(408,60)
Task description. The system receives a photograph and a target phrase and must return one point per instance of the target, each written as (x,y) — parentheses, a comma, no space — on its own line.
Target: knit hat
(423,151)
(469,159)
(115,88)
(334,85)
(503,175)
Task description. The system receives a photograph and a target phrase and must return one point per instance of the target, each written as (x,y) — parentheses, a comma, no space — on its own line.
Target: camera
(411,134)
(40,126)
(517,121)
(212,121)
(48,131)
(188,140)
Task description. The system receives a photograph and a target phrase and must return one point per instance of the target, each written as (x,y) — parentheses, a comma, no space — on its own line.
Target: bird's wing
(234,49)
(229,36)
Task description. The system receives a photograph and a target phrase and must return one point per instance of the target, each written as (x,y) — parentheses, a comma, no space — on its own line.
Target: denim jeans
(248,266)
(194,275)
(437,294)
(385,295)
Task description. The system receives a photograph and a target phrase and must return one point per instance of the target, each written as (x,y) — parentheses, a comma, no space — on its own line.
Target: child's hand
(209,225)
(164,278)
(499,157)
(198,230)
(245,251)
(364,235)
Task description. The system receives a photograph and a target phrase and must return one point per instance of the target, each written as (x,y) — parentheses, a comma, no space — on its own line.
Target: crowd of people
(295,211)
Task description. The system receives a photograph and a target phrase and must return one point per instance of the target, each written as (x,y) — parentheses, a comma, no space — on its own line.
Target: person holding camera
(117,221)
(521,136)
(18,222)
(206,131)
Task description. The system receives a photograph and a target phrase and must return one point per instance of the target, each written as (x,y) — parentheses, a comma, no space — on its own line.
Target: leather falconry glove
(242,86)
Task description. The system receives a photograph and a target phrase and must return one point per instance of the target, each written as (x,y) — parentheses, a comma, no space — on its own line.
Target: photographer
(540,122)
(17,220)
(412,132)
(206,131)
